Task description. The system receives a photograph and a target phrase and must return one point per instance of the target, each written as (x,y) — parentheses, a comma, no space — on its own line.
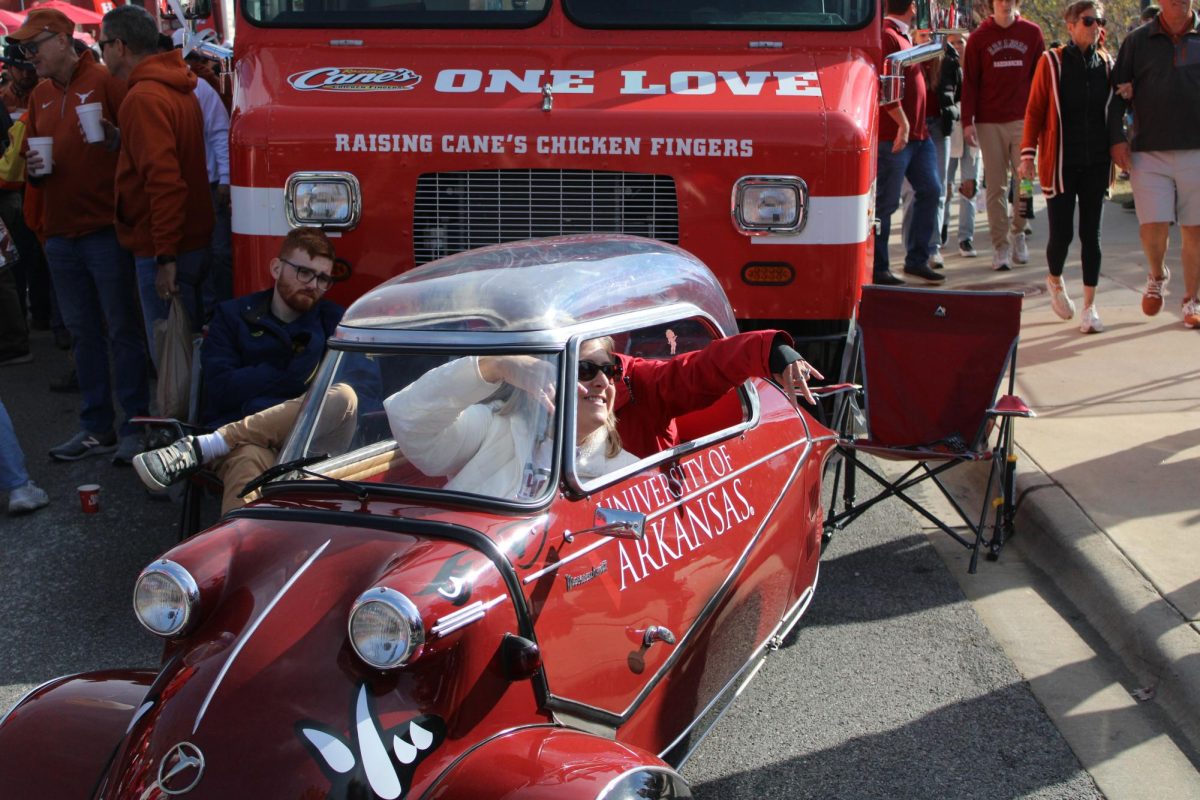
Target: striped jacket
(1042,135)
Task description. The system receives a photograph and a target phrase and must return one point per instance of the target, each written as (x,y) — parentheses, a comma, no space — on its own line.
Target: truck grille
(456,211)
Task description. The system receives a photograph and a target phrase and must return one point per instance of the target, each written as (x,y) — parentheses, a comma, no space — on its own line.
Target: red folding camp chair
(932,365)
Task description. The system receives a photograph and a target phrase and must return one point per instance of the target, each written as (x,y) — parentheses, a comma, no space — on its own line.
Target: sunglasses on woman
(1089,21)
(589,369)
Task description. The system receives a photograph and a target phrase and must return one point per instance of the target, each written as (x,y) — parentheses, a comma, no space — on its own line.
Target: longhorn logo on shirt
(354,79)
(83,96)
(371,762)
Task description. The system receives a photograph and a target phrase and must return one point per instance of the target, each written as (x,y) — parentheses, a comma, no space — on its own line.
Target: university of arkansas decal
(354,79)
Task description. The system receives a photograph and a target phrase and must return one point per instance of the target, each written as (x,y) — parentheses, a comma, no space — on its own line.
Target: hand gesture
(795,378)
(532,375)
(970,136)
(1125,90)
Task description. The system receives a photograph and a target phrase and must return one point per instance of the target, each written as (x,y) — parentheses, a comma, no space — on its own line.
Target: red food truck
(743,131)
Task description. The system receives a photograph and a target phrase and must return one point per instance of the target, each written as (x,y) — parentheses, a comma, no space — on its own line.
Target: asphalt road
(890,687)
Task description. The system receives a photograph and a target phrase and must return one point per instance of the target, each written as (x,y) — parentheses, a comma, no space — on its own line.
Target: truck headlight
(165,598)
(769,204)
(331,200)
(386,630)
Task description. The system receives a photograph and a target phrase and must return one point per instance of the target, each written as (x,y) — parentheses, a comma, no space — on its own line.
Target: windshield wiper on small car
(298,465)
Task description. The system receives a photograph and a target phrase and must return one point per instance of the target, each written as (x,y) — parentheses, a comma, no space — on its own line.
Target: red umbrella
(11,20)
(80,16)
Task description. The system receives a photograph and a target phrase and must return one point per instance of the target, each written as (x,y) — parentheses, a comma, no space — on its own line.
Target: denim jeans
(918,163)
(941,145)
(190,270)
(93,279)
(12,460)
(968,164)
(218,285)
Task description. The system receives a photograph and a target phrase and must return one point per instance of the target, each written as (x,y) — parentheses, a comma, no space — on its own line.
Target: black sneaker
(168,465)
(887,278)
(84,444)
(923,272)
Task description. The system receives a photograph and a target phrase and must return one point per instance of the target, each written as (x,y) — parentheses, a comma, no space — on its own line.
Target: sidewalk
(1108,479)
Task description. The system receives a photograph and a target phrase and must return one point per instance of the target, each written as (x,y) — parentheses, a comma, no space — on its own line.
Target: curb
(1154,641)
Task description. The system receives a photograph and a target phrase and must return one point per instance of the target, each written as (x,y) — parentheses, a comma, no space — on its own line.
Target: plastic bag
(173,338)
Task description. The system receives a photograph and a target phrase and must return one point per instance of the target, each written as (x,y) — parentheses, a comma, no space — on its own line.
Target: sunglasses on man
(30,48)
(1089,21)
(589,369)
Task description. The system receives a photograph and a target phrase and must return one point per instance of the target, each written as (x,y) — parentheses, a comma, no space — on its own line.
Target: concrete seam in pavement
(1153,639)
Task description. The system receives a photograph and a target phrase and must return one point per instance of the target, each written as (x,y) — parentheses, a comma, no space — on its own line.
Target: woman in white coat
(455,421)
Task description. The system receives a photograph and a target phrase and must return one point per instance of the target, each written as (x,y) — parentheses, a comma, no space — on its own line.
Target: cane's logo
(354,79)
(372,762)
(180,769)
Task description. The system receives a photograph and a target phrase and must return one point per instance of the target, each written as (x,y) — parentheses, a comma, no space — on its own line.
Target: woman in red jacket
(1065,128)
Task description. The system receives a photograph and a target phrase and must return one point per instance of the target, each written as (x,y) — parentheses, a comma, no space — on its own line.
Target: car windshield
(433,421)
(628,14)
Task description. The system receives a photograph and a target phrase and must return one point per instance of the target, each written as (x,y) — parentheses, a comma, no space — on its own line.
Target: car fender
(67,730)
(542,762)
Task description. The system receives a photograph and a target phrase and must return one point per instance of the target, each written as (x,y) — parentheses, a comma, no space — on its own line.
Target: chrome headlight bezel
(747,188)
(296,207)
(647,782)
(407,618)
(189,598)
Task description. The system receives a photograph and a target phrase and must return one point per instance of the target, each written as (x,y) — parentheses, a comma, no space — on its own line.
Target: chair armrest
(1010,405)
(834,389)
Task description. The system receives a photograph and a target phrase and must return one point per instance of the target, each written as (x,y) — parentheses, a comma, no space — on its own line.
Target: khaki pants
(1000,147)
(254,441)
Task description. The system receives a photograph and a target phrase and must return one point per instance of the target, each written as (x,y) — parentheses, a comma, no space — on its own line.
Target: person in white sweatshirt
(457,421)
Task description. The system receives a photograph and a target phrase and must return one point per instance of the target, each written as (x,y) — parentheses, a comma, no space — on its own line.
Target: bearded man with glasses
(92,273)
(256,362)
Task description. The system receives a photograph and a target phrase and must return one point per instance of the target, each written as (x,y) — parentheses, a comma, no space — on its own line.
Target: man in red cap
(93,275)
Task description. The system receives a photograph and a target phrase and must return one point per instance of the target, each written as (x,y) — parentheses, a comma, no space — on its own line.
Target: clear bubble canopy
(540,286)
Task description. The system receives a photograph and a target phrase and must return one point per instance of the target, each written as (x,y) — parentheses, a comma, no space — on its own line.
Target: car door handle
(657,633)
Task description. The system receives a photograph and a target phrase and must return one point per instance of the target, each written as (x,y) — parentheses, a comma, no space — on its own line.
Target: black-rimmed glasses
(308,275)
(30,48)
(1089,21)
(589,369)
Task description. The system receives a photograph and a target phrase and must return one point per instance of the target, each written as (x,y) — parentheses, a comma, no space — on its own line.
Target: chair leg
(1003,530)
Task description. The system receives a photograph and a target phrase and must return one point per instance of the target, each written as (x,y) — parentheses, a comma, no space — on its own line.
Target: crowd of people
(1069,116)
(114,176)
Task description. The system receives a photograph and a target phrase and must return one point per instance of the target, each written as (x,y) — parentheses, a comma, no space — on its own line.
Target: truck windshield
(396,13)
(753,14)
(627,14)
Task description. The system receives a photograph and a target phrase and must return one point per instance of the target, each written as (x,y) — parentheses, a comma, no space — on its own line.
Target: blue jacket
(251,361)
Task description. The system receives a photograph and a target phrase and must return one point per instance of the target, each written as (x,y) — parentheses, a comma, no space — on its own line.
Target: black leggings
(1088,184)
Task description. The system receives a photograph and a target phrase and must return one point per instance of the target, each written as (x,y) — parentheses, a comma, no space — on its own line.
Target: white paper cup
(89,118)
(43,146)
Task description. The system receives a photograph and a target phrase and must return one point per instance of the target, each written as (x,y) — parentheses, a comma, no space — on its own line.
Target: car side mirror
(615,522)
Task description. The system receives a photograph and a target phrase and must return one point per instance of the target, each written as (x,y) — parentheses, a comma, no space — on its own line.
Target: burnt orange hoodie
(163,202)
(79,191)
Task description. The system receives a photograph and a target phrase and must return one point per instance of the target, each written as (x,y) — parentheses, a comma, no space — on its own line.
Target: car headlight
(386,630)
(165,598)
(330,200)
(647,782)
(770,204)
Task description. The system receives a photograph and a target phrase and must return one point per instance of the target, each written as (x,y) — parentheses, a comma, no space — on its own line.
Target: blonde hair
(613,445)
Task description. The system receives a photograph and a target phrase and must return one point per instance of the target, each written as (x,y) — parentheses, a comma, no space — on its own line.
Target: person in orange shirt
(92,273)
(164,208)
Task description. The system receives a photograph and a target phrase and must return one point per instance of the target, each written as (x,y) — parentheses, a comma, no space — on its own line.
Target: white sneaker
(1191,313)
(966,249)
(1089,321)
(1000,259)
(1020,249)
(1059,301)
(29,497)
(936,261)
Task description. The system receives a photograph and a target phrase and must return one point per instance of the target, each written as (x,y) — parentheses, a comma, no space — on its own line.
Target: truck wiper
(298,465)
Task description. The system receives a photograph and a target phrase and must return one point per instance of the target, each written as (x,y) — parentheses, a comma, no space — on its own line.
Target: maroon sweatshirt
(998,70)
(913,101)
